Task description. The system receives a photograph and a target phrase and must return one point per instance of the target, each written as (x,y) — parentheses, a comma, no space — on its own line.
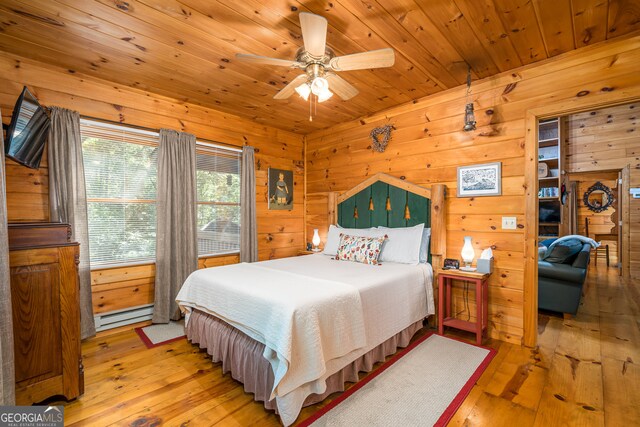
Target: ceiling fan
(320,63)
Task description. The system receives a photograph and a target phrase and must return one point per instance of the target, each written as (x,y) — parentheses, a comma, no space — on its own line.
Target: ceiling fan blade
(359,61)
(314,33)
(340,86)
(257,59)
(289,89)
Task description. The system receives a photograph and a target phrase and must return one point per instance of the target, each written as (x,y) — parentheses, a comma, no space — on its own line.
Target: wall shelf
(551,142)
(550,208)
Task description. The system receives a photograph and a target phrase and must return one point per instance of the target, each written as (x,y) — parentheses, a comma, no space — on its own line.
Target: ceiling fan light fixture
(304,90)
(324,95)
(319,85)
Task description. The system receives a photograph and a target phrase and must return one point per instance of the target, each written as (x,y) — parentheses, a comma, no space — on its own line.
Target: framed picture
(480,180)
(280,189)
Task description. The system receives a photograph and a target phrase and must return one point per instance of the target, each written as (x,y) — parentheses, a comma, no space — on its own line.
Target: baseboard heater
(127,316)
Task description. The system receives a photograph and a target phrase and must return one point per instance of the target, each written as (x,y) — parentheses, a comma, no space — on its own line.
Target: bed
(293,330)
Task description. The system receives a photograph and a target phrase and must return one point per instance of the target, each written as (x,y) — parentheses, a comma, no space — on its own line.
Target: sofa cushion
(563,272)
(548,242)
(564,252)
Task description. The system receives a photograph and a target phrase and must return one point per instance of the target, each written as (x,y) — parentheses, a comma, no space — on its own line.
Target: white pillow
(424,245)
(333,236)
(402,245)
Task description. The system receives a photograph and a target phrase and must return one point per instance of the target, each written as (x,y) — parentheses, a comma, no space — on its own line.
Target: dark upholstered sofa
(560,284)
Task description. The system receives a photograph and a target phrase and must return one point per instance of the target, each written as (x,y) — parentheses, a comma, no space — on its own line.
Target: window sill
(149,262)
(218,255)
(122,265)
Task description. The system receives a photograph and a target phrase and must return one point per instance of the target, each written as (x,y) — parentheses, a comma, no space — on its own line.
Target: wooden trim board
(387,179)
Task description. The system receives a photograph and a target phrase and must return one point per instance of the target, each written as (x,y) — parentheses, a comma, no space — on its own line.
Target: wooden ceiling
(185,49)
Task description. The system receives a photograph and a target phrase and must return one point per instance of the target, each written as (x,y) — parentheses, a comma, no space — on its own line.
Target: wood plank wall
(280,233)
(428,144)
(607,139)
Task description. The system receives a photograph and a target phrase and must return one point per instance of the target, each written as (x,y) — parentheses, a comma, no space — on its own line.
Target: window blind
(121,173)
(218,186)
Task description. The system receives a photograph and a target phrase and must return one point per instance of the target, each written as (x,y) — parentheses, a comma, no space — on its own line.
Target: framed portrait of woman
(280,189)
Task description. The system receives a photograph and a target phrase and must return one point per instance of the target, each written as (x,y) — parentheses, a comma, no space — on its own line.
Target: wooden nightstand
(445,282)
(306,252)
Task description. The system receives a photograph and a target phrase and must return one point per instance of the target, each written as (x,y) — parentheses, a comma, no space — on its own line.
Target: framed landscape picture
(280,189)
(480,180)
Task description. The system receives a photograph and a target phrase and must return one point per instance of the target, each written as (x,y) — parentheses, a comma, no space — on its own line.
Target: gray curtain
(68,199)
(7,374)
(248,229)
(176,238)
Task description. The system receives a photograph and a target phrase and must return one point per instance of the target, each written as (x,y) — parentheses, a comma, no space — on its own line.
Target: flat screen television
(28,131)
(549,212)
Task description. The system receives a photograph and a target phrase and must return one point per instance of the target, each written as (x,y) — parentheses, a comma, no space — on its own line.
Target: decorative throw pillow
(365,250)
(333,237)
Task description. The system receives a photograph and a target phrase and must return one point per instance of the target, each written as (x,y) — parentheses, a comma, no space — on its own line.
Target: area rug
(422,385)
(160,334)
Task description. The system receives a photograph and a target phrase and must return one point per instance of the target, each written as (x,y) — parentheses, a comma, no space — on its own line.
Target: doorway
(596,212)
(602,154)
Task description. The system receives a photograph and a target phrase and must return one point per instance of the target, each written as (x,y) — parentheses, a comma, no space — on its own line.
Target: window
(218,181)
(120,174)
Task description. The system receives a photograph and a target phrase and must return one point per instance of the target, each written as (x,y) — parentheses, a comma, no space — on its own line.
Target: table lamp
(467,254)
(315,240)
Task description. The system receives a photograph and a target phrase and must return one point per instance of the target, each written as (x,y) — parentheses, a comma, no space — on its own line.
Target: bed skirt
(242,356)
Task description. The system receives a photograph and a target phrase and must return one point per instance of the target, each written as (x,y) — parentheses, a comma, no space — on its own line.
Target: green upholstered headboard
(377,195)
(425,205)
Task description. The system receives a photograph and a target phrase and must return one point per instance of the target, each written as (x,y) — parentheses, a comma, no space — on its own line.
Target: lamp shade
(467,251)
(316,238)
(324,95)
(304,90)
(319,85)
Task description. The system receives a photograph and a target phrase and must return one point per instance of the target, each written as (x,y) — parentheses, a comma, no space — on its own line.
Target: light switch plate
(509,223)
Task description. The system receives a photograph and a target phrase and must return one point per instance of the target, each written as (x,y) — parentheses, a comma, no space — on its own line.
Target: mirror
(598,197)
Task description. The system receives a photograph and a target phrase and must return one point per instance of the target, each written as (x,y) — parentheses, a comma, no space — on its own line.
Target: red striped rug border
(446,415)
(147,342)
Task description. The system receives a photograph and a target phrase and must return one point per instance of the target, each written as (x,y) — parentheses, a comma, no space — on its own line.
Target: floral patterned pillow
(365,250)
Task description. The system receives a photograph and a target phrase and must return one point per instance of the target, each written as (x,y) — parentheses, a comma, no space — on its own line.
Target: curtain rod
(203,142)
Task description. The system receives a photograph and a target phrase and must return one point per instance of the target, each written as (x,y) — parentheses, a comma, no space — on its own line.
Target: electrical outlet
(509,223)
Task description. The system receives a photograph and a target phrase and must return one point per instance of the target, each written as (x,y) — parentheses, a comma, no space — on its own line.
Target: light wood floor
(585,372)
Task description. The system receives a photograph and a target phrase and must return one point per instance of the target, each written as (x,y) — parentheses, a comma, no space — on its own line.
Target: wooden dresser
(46,312)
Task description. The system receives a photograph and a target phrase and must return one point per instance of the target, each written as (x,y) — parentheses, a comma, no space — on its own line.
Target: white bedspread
(303,321)
(315,315)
